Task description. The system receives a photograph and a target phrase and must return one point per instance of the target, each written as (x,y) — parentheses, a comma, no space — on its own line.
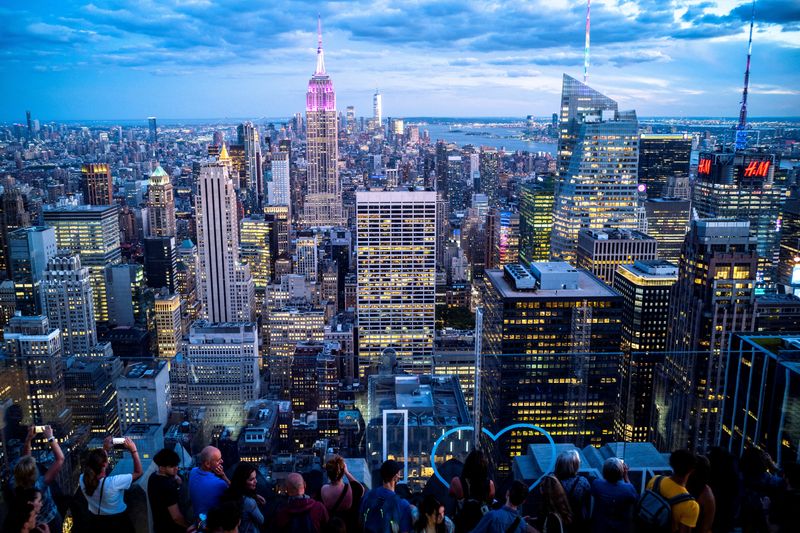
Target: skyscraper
(713,297)
(69,303)
(160,262)
(160,204)
(307,258)
(255,250)
(377,109)
(535,220)
(125,295)
(645,287)
(601,251)
(91,396)
(661,157)
(14,215)
(169,329)
(151,122)
(221,367)
(254,175)
(396,265)
(93,232)
(98,189)
(323,202)
(553,332)
(490,165)
(279,191)
(224,284)
(789,256)
(668,223)
(33,351)
(598,152)
(29,251)
(741,185)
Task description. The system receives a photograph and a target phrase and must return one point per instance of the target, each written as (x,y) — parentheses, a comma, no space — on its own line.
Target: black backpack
(654,511)
(469,510)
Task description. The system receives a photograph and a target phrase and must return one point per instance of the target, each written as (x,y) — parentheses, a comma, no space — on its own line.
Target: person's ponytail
(95,462)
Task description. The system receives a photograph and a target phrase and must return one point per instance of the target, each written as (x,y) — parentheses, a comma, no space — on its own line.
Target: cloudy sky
(230,58)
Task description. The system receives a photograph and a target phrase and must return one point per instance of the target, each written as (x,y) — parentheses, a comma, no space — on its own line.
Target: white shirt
(113,492)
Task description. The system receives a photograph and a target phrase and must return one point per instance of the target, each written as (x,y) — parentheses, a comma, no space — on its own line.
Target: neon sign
(757,169)
(704,167)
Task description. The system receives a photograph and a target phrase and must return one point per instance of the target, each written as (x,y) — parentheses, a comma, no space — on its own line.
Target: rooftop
(588,286)
(145,370)
(616,234)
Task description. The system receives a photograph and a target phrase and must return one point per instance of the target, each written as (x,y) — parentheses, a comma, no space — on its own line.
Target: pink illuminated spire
(320,54)
(320,95)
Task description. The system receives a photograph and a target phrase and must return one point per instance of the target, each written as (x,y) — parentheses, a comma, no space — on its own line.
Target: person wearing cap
(382,510)
(162,492)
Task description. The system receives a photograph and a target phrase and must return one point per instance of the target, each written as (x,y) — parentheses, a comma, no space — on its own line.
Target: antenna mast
(741,129)
(586,47)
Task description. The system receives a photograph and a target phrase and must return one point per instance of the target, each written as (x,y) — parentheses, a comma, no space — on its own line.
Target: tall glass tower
(598,154)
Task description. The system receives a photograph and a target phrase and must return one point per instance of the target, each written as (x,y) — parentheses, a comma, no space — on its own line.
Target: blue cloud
(415,46)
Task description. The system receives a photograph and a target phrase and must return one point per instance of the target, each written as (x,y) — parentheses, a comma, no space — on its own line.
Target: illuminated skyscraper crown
(320,96)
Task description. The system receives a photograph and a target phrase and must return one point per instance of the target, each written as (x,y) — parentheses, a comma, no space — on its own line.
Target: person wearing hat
(382,510)
(162,491)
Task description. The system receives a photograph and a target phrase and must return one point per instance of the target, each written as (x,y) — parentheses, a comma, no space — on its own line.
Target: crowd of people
(717,493)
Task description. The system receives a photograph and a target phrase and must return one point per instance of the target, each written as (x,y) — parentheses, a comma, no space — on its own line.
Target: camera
(39,429)
(119,443)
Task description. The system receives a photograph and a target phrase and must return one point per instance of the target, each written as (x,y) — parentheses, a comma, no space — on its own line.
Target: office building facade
(69,303)
(602,251)
(663,156)
(712,298)
(645,287)
(396,272)
(93,232)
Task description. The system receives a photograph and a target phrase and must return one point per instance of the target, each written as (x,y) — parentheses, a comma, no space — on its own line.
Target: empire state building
(323,202)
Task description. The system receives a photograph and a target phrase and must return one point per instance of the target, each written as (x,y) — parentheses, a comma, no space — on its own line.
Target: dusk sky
(202,59)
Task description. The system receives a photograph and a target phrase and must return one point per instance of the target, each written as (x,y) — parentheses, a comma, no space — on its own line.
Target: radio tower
(586,47)
(741,129)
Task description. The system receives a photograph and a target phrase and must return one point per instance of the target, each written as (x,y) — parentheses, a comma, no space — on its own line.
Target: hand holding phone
(38,429)
(119,443)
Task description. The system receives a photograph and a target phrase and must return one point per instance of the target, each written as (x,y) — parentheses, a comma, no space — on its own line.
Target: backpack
(654,511)
(383,516)
(469,511)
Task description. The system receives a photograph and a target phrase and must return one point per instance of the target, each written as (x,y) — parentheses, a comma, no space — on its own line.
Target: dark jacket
(300,505)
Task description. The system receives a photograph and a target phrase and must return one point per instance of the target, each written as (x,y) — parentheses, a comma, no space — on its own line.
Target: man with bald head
(207,481)
(300,514)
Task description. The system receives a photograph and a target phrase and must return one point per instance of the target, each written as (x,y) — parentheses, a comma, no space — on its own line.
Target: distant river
(508,138)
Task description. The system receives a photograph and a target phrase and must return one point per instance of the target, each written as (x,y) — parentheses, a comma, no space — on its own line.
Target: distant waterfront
(507,137)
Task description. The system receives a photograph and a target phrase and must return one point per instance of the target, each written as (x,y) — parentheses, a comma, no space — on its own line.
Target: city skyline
(125,60)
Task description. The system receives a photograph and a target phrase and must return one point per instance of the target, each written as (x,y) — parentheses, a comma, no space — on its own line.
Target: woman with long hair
(555,515)
(431,517)
(473,491)
(27,476)
(243,492)
(104,494)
